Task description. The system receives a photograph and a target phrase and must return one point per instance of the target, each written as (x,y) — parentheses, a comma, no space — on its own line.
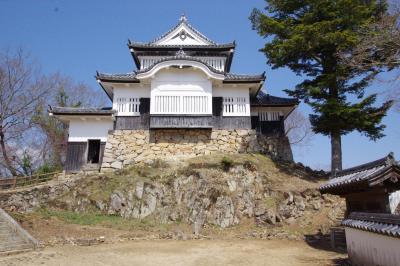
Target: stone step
(16,245)
(13,238)
(10,238)
(25,247)
(14,252)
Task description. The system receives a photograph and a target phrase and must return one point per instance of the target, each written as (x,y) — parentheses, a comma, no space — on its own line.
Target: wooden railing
(22,181)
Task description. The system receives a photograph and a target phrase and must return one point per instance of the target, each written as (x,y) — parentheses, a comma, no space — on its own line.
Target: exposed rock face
(30,199)
(126,147)
(200,192)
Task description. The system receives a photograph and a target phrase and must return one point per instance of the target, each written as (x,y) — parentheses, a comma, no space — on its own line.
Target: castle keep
(183,100)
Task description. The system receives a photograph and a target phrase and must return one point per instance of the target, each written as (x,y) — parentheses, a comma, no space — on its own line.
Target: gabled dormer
(183,36)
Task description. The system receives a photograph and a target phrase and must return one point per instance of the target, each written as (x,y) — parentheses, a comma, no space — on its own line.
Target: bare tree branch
(298,129)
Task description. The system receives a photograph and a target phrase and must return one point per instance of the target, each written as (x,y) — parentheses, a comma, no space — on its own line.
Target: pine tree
(307,36)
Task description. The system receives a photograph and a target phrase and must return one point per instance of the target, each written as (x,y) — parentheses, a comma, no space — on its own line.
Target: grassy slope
(101,187)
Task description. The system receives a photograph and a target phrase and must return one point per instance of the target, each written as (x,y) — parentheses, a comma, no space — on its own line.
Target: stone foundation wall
(126,147)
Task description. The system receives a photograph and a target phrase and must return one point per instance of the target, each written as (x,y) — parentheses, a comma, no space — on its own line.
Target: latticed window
(128,106)
(234,106)
(269,116)
(181,104)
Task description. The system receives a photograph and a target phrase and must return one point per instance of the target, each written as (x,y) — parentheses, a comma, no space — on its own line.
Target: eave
(365,177)
(227,50)
(80,111)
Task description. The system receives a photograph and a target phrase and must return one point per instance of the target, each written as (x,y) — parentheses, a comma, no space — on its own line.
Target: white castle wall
(370,249)
(90,128)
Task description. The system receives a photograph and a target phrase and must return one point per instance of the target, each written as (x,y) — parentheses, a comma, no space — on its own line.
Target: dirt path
(166,252)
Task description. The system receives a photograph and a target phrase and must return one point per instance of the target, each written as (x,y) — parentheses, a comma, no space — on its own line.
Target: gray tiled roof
(81,111)
(264,99)
(239,77)
(380,223)
(179,56)
(360,174)
(131,76)
(150,45)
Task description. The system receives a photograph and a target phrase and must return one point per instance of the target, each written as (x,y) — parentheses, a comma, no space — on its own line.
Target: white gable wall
(181,91)
(90,128)
(174,38)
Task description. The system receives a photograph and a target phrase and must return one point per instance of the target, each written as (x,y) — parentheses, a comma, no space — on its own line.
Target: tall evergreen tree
(306,36)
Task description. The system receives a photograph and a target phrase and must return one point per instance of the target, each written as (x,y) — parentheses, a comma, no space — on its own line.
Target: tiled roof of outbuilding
(263,99)
(80,111)
(367,173)
(243,77)
(117,77)
(380,223)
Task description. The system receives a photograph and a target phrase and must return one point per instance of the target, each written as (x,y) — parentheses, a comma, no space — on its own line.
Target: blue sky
(77,38)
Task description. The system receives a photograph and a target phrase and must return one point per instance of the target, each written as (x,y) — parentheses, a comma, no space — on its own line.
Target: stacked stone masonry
(127,147)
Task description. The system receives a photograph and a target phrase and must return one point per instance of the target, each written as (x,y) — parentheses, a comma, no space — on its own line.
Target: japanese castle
(183,100)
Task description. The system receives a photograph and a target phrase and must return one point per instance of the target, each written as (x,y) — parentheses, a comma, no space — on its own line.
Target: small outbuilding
(372,220)
(371,187)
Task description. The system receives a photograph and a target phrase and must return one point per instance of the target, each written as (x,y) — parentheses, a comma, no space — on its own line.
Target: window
(269,116)
(181,105)
(128,106)
(234,106)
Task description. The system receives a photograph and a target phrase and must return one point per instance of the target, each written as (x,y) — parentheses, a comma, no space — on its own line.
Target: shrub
(227,163)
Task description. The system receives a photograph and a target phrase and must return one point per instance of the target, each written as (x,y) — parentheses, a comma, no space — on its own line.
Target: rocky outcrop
(127,147)
(28,199)
(222,192)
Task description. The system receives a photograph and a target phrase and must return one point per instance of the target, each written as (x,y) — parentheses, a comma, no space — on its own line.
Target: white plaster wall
(82,130)
(370,249)
(172,39)
(233,91)
(181,82)
(130,91)
(394,201)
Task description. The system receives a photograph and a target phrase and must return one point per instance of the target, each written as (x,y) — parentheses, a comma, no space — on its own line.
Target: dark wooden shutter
(144,107)
(255,122)
(217,106)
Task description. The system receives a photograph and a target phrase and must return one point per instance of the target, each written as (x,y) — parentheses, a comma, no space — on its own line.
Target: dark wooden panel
(181,122)
(144,107)
(232,122)
(255,122)
(76,156)
(133,122)
(218,122)
(217,106)
(102,147)
(268,127)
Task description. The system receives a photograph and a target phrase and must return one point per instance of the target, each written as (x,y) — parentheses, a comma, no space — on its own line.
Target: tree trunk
(336,156)
(5,156)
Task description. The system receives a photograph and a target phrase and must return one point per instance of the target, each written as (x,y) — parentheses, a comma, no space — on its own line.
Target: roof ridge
(183,20)
(147,44)
(387,160)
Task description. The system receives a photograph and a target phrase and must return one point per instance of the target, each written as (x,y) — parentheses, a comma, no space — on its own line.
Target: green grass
(97,219)
(271,203)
